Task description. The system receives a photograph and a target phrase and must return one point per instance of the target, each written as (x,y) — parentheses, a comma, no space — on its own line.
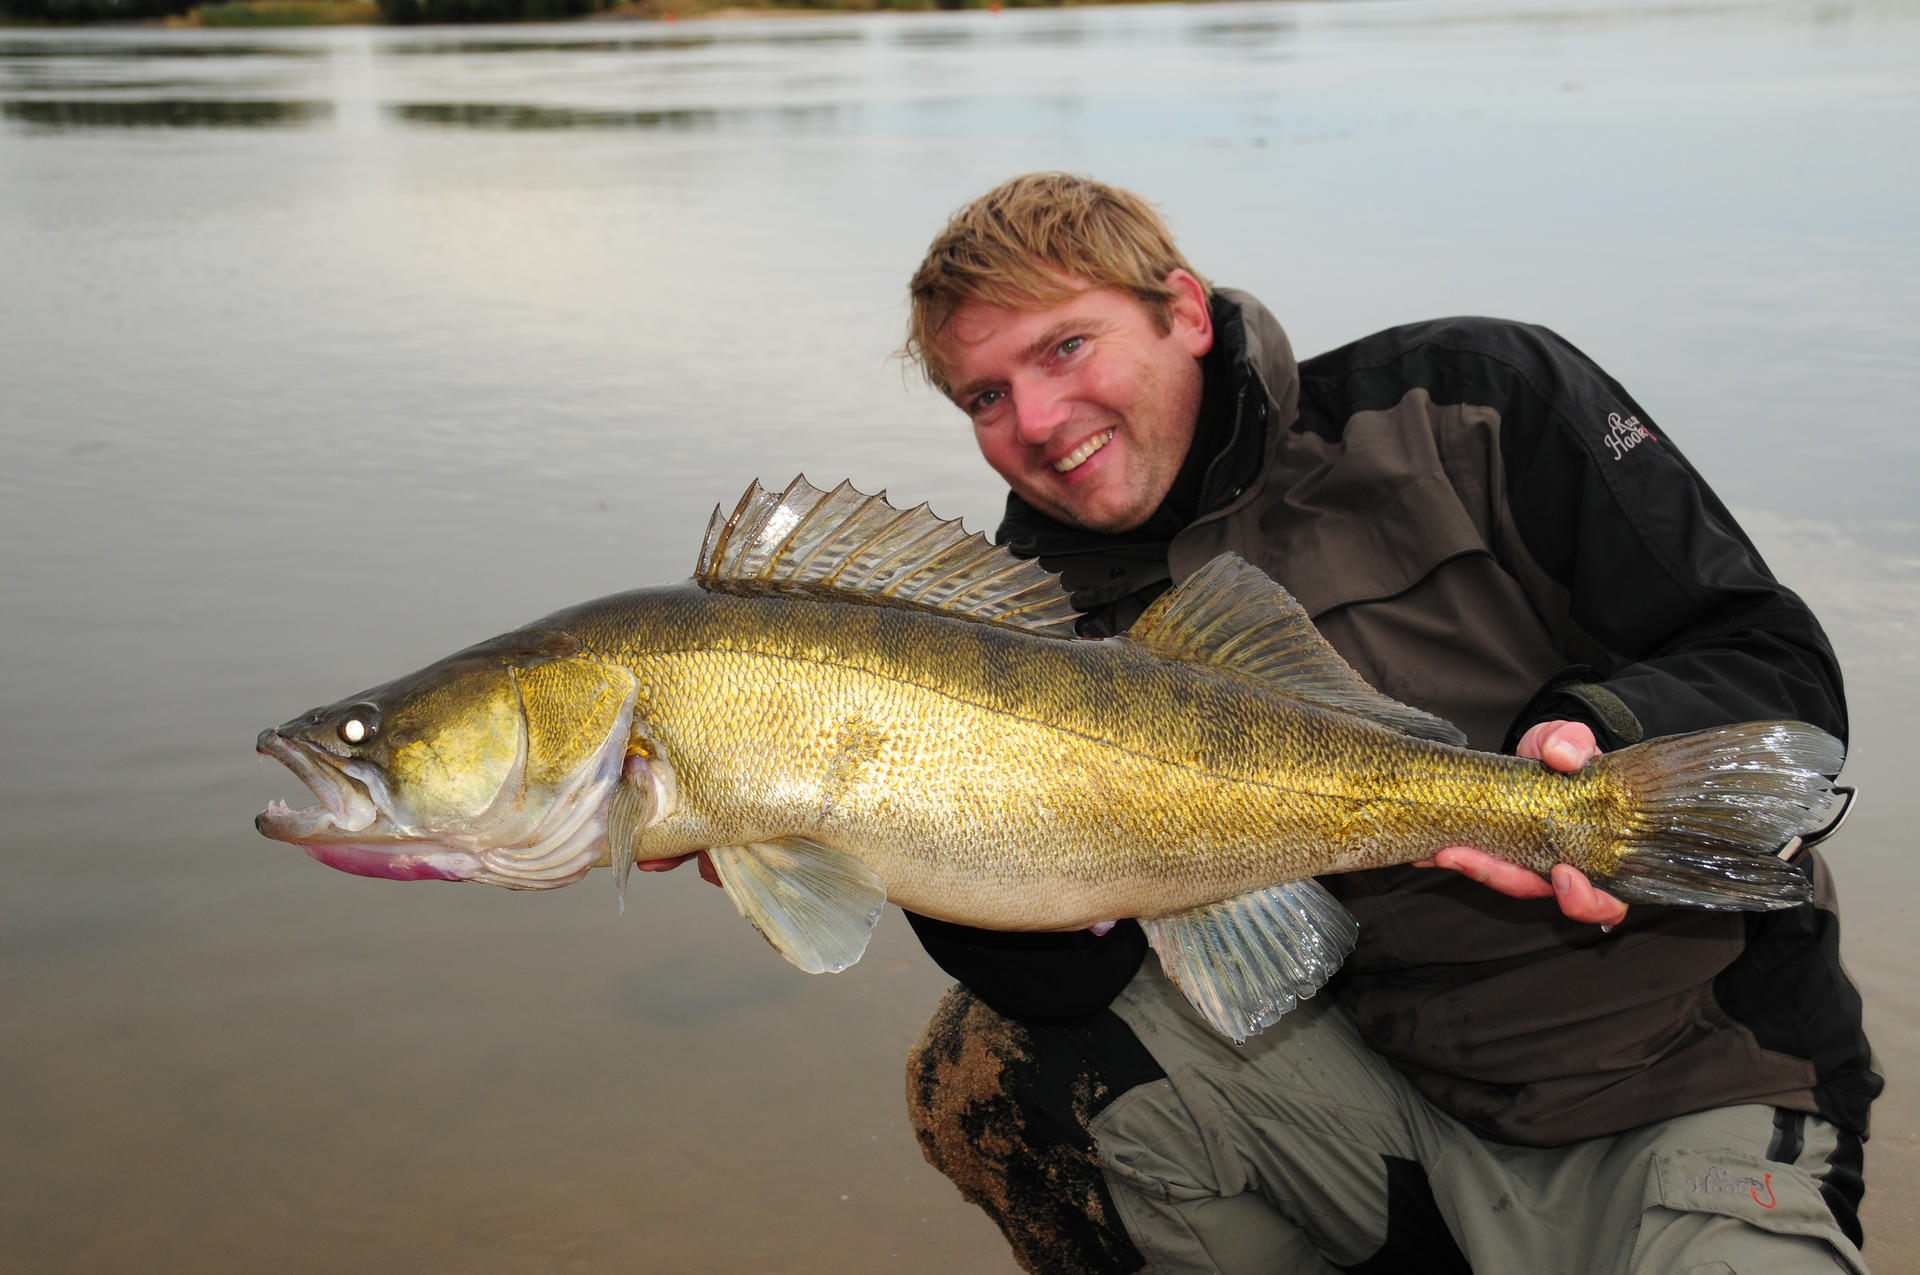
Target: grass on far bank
(303,13)
(280,13)
(746,8)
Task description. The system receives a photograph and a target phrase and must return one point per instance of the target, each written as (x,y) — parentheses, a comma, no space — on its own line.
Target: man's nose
(1039,408)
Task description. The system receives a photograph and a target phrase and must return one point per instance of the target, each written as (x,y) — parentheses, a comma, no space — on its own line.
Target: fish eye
(360,723)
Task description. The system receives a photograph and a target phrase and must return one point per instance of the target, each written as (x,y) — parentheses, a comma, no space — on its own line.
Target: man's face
(1086,408)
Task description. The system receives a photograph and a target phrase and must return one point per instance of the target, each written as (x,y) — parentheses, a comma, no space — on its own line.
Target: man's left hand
(1564,746)
(707,873)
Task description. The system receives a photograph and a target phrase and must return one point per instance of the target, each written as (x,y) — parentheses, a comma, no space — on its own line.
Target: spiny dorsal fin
(1230,614)
(845,543)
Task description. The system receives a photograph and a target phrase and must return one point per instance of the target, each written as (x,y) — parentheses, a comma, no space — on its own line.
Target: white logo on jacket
(1625,433)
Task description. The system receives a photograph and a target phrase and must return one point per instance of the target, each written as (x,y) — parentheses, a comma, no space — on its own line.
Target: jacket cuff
(1577,695)
(1035,977)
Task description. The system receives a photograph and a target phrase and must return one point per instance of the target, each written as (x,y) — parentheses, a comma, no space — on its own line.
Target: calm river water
(323,353)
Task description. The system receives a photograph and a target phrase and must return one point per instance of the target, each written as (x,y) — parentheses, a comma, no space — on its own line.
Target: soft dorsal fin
(1230,614)
(845,543)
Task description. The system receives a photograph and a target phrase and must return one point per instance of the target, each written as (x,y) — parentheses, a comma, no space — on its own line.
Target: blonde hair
(1034,242)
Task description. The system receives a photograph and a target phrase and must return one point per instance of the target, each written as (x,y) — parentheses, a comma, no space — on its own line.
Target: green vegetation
(402,12)
(284,13)
(69,12)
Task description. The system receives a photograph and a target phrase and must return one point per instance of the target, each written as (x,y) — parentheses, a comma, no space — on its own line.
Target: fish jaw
(346,804)
(391,865)
(346,828)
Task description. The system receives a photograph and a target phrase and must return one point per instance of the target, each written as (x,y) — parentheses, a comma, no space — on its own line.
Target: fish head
(495,764)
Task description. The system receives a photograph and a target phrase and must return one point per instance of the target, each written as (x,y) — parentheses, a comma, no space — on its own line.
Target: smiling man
(1086,407)
(1516,1078)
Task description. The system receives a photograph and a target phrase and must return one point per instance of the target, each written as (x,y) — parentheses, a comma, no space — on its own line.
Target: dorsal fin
(1231,615)
(845,543)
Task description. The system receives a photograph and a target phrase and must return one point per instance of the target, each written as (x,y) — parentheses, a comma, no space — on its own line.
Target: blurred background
(325,352)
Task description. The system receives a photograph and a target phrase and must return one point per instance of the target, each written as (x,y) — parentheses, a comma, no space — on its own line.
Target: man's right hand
(1566,747)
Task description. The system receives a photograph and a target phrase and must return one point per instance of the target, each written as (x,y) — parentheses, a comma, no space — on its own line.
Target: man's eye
(986,402)
(1069,346)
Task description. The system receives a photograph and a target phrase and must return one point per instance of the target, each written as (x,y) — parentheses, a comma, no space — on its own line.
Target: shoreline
(245,14)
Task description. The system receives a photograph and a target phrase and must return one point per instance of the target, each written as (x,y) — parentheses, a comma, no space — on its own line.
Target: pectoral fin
(647,794)
(817,906)
(1245,961)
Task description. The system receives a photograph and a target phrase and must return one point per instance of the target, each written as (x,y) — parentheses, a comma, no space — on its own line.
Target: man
(1520,1078)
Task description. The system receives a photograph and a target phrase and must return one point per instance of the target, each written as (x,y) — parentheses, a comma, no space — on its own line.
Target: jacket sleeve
(1655,569)
(1036,977)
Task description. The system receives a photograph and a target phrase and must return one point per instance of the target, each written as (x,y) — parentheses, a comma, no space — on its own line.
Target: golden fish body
(850,704)
(1011,781)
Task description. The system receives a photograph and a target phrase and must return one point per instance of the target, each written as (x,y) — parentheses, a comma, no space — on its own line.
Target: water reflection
(936,38)
(64,113)
(518,115)
(512,115)
(1245,31)
(41,79)
(682,992)
(634,44)
(148,52)
(1066,35)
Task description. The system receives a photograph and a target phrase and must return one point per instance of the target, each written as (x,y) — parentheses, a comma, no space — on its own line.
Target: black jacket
(1487,526)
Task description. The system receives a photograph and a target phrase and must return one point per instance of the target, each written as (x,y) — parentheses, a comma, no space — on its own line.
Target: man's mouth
(1078,456)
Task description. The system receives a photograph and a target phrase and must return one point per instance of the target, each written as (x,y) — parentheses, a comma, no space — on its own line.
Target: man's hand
(1564,746)
(707,873)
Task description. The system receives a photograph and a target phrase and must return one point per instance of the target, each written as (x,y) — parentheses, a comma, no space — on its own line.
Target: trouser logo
(1624,433)
(1719,1180)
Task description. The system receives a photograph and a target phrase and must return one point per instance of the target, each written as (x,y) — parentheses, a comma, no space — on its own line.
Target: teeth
(1078,457)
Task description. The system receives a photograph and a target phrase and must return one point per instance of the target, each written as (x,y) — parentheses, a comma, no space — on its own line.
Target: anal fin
(1245,961)
(817,906)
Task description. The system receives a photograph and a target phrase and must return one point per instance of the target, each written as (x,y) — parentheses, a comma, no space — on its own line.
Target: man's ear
(1192,318)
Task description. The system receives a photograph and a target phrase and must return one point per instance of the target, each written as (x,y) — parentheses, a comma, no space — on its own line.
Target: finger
(1581,900)
(1562,745)
(1496,874)
(707,872)
(661,865)
(1570,747)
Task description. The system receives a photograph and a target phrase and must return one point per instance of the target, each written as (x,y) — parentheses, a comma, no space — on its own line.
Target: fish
(850,704)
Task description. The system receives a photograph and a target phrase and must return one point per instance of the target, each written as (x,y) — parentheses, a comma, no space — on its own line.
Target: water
(325,352)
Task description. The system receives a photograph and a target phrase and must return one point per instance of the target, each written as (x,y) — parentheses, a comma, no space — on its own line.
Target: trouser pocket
(1753,1215)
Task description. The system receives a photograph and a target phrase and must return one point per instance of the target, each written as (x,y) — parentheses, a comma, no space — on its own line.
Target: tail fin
(1716,806)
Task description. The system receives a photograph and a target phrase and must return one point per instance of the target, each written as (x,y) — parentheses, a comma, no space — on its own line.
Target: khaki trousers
(1283,1155)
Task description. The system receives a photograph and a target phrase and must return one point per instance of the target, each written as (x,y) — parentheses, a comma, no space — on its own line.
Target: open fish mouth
(344,829)
(345,806)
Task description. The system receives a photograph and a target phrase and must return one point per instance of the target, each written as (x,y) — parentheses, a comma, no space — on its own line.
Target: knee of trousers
(1002,1107)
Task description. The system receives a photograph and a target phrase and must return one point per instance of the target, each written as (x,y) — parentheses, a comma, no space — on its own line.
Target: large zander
(849,703)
